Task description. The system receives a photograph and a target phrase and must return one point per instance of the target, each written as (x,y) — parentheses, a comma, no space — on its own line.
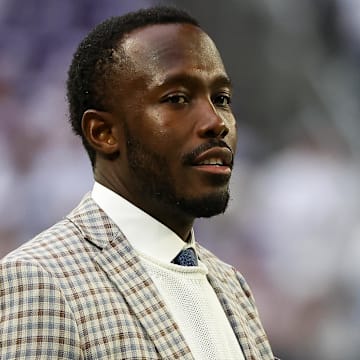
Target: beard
(156,182)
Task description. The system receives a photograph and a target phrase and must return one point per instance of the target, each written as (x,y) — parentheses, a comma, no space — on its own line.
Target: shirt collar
(146,234)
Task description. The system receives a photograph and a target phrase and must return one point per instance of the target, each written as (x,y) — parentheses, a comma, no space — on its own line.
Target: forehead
(157,51)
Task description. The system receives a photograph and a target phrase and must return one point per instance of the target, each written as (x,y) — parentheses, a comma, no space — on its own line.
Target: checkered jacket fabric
(79,291)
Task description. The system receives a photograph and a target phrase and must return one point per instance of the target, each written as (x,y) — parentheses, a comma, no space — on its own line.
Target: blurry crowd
(293,226)
(44,168)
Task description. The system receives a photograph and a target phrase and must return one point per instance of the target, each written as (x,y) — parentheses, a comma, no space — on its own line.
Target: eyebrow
(221,80)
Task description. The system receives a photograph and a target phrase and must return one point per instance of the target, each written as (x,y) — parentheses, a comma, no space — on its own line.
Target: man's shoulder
(223,271)
(210,258)
(49,245)
(217,267)
(60,241)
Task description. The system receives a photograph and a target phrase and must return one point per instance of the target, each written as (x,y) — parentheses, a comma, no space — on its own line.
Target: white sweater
(196,309)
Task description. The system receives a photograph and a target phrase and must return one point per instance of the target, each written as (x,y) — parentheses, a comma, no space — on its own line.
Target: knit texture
(196,309)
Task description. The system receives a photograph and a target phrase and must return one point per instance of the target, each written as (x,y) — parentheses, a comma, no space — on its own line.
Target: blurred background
(293,226)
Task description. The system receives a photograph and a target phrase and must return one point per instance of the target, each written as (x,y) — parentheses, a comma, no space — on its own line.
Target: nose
(212,124)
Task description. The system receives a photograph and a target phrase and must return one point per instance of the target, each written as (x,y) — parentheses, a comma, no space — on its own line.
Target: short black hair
(94,61)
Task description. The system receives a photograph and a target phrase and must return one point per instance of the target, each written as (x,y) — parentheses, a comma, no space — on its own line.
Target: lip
(222,153)
(213,169)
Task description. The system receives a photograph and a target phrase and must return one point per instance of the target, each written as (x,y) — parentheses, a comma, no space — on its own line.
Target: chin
(205,206)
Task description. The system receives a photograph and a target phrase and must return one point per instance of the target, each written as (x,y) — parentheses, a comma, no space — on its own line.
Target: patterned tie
(186,257)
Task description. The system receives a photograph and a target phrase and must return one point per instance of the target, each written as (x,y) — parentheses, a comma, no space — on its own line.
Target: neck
(172,217)
(168,214)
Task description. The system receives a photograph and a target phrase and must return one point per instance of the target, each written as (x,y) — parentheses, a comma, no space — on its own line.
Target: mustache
(189,158)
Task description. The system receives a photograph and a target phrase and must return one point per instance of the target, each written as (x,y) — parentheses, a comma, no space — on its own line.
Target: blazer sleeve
(35,319)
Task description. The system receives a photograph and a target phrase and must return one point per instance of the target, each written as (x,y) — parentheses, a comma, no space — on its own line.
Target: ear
(100,130)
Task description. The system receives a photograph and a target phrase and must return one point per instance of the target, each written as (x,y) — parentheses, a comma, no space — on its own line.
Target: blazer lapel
(225,284)
(119,260)
(231,306)
(139,291)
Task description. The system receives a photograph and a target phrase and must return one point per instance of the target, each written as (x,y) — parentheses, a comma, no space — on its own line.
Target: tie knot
(186,257)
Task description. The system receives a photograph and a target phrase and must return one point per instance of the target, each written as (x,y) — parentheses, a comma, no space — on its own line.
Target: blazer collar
(119,260)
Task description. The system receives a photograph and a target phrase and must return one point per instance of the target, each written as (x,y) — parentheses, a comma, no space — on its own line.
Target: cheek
(168,138)
(233,141)
(232,135)
(151,127)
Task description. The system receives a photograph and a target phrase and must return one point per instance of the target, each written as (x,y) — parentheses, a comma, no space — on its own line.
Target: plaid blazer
(79,291)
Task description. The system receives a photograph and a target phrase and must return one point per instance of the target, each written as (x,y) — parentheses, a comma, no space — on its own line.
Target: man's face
(179,130)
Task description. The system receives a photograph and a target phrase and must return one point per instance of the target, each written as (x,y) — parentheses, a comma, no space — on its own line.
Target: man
(121,277)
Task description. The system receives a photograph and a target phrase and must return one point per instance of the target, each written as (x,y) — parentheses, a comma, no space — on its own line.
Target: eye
(222,100)
(176,99)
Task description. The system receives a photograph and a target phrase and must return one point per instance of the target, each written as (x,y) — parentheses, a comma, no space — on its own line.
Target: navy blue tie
(186,257)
